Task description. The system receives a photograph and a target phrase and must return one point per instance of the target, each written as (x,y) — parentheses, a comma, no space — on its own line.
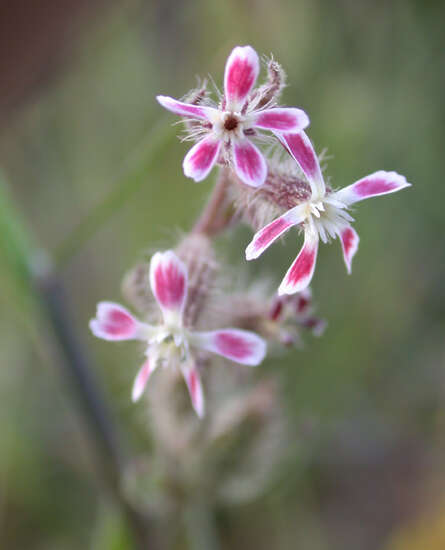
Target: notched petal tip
(113,322)
(300,273)
(349,243)
(95,328)
(239,345)
(183,109)
(201,158)
(251,252)
(374,185)
(250,164)
(286,119)
(241,73)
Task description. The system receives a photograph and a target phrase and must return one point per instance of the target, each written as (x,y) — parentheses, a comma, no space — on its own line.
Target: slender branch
(201,524)
(99,420)
(218,213)
(80,375)
(32,270)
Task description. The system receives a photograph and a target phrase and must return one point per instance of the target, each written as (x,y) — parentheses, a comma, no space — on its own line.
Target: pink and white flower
(170,343)
(224,130)
(323,216)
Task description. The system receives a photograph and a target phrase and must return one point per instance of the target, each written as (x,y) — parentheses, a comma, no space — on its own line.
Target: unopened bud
(270,91)
(284,188)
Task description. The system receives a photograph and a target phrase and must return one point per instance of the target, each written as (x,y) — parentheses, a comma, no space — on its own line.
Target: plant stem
(103,431)
(33,272)
(200,520)
(217,214)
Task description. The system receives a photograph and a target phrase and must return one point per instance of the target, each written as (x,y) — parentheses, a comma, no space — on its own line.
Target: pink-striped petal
(250,165)
(379,183)
(300,273)
(242,68)
(168,281)
(271,232)
(185,109)
(141,380)
(282,120)
(200,159)
(300,147)
(238,345)
(113,322)
(349,244)
(194,385)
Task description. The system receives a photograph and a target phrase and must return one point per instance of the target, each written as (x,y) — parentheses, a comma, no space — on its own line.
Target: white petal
(168,281)
(242,68)
(142,378)
(185,109)
(114,322)
(379,183)
(201,158)
(250,165)
(349,244)
(194,385)
(282,119)
(271,232)
(300,273)
(300,147)
(241,346)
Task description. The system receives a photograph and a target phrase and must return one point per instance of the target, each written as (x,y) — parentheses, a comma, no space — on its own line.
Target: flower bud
(269,93)
(284,188)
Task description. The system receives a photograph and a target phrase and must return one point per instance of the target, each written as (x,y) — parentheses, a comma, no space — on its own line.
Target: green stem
(32,269)
(217,214)
(200,521)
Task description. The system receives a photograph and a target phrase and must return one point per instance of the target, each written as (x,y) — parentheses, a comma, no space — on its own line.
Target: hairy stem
(217,214)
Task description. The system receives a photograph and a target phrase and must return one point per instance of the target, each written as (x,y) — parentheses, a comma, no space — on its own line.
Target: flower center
(170,346)
(228,124)
(231,122)
(328,217)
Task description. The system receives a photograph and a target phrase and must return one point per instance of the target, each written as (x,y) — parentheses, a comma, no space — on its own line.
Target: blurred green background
(366,401)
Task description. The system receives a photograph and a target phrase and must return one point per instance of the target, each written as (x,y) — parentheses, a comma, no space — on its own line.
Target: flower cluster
(170,343)
(242,113)
(266,189)
(322,215)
